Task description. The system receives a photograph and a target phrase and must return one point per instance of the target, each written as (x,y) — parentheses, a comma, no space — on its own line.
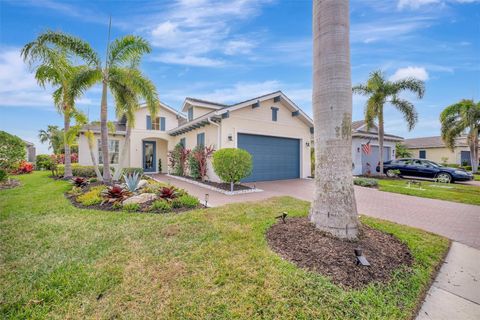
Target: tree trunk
(107,178)
(68,158)
(334,208)
(123,154)
(380,138)
(94,162)
(474,150)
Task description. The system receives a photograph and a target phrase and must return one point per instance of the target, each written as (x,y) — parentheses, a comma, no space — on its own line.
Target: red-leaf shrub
(79,181)
(24,167)
(168,193)
(201,155)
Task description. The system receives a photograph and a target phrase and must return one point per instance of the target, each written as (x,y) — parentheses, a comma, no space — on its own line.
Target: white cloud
(191,60)
(235,47)
(18,86)
(419,73)
(415,4)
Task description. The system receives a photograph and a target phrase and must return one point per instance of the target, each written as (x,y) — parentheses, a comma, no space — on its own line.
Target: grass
(58,261)
(476,177)
(468,194)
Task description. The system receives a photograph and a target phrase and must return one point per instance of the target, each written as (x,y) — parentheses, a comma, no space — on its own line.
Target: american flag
(367,148)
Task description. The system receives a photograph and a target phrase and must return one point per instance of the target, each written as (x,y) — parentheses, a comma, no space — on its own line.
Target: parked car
(422,168)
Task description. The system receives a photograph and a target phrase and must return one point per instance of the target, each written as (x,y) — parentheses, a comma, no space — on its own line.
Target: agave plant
(79,182)
(168,193)
(132,181)
(115,194)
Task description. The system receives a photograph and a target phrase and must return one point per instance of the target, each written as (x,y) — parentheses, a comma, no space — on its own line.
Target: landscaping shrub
(24,167)
(168,193)
(60,158)
(128,171)
(79,181)
(178,159)
(79,170)
(132,181)
(91,197)
(232,165)
(131,207)
(198,161)
(114,194)
(153,187)
(12,151)
(365,182)
(43,162)
(161,205)
(3,175)
(185,201)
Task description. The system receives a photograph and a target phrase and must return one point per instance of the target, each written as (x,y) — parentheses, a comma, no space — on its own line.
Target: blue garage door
(274,158)
(465,158)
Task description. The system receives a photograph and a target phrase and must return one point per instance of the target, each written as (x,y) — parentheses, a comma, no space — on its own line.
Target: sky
(229,51)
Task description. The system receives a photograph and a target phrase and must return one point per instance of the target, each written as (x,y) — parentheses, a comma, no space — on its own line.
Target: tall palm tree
(53,67)
(120,70)
(459,118)
(52,135)
(381,91)
(334,208)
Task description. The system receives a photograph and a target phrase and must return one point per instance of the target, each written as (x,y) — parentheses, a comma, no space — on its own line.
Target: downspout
(219,132)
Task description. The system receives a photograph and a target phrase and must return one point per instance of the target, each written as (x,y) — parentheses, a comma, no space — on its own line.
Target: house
(30,151)
(364,161)
(271,127)
(434,149)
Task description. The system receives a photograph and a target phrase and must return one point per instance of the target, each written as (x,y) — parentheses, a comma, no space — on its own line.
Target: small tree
(198,161)
(232,165)
(12,151)
(401,151)
(178,159)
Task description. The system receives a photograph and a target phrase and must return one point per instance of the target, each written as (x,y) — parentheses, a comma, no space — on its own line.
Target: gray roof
(357,124)
(431,142)
(95,127)
(206,101)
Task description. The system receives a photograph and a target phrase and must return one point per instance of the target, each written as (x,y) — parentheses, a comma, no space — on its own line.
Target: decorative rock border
(206,186)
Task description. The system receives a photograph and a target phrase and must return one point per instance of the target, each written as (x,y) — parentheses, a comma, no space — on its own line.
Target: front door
(149,156)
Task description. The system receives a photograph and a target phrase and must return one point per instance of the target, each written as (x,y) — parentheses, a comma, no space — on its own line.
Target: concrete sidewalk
(455,293)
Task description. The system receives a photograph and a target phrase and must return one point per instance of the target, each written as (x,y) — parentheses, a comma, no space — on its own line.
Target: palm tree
(381,91)
(334,208)
(119,71)
(53,135)
(53,67)
(459,118)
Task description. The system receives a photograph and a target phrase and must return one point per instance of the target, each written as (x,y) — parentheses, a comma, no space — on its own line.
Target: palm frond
(411,84)
(127,49)
(407,109)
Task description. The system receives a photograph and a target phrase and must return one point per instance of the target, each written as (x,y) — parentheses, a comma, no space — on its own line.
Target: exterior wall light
(230,137)
(307,144)
(361,259)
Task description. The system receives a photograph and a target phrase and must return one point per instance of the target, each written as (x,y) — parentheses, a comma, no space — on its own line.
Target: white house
(271,127)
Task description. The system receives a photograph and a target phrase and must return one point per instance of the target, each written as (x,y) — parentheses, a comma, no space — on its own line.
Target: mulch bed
(221,185)
(307,247)
(12,183)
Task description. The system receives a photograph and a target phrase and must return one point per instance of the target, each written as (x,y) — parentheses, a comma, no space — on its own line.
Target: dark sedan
(422,168)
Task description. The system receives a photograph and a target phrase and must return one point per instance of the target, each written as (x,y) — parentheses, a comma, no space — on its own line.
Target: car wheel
(444,177)
(390,173)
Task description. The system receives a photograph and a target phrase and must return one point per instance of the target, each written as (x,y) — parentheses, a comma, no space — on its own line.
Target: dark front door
(149,156)
(465,158)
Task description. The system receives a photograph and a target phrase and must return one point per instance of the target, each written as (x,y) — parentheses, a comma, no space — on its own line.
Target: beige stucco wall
(200,111)
(171,120)
(436,154)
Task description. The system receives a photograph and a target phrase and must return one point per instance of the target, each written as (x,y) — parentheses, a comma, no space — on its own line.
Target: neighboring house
(271,127)
(365,162)
(30,151)
(434,149)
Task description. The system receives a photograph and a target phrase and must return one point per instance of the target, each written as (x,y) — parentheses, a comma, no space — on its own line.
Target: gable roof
(359,129)
(432,142)
(216,114)
(189,101)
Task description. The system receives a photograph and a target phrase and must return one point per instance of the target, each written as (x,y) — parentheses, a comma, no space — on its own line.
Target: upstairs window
(190,114)
(274,114)
(201,139)
(156,124)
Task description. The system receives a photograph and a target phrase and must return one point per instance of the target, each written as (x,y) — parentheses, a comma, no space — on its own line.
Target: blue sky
(228,51)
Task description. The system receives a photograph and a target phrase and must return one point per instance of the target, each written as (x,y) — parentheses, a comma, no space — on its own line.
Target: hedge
(89,171)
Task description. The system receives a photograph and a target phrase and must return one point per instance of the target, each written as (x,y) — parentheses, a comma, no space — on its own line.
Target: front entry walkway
(457,221)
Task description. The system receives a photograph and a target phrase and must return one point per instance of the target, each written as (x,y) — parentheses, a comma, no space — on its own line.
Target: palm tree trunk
(474,150)
(123,154)
(334,208)
(381,133)
(68,158)
(94,161)
(107,178)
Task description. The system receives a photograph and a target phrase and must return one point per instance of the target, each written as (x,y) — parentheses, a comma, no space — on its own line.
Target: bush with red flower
(24,167)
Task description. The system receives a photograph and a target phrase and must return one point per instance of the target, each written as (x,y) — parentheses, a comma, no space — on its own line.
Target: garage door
(371,160)
(274,158)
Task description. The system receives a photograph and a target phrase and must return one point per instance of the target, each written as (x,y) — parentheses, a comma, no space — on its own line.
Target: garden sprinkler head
(361,259)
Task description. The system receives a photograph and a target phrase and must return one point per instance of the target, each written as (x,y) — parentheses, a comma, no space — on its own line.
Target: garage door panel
(274,158)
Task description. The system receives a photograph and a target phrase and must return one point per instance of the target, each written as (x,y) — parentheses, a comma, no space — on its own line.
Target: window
(162,123)
(183,142)
(274,114)
(113,151)
(190,114)
(156,124)
(422,154)
(201,139)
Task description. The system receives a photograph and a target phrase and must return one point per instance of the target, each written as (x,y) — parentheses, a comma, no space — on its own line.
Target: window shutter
(149,123)
(162,123)
(201,139)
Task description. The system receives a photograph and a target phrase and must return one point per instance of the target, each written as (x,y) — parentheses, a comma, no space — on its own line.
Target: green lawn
(60,262)
(452,192)
(476,177)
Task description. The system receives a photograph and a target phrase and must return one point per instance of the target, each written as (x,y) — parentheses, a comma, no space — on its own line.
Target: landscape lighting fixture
(206,199)
(283,216)
(361,259)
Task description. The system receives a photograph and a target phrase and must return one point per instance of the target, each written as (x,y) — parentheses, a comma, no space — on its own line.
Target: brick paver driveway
(459,222)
